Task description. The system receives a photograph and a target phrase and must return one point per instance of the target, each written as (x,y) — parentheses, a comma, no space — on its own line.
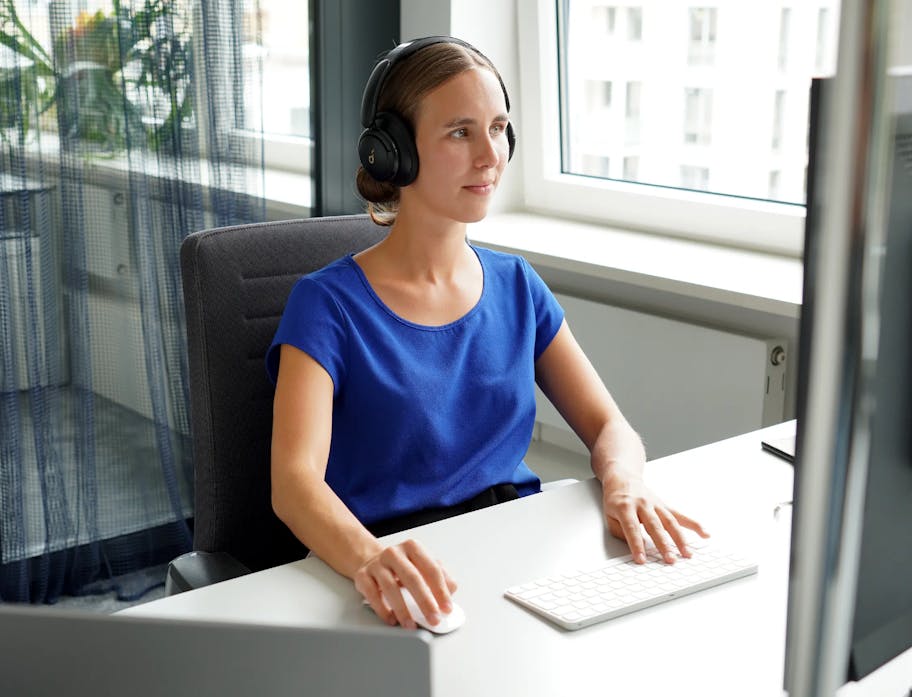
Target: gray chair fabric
(236,281)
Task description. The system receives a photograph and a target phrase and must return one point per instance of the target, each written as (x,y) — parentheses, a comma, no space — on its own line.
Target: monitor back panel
(68,653)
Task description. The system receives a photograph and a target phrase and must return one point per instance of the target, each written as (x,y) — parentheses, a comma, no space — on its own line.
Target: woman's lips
(481,189)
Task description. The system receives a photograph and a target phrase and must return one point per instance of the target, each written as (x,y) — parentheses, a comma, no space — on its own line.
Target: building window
(632,104)
(785,19)
(598,94)
(695,177)
(702,44)
(596,165)
(774,177)
(604,18)
(697,115)
(778,119)
(634,23)
(632,113)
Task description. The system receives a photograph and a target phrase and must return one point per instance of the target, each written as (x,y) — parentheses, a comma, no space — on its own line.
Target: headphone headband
(382,70)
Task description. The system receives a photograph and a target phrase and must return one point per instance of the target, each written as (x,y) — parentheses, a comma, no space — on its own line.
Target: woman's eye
(497,129)
(459,133)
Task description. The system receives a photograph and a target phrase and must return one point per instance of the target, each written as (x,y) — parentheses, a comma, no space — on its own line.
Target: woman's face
(461,134)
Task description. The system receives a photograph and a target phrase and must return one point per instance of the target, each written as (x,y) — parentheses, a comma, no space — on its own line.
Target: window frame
(741,222)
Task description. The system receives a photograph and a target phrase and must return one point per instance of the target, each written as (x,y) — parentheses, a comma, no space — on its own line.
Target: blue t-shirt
(423,416)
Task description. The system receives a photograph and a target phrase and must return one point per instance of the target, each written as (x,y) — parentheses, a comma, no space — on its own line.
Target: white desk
(725,641)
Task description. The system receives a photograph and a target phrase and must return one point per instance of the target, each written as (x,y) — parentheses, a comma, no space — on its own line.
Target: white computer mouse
(447,623)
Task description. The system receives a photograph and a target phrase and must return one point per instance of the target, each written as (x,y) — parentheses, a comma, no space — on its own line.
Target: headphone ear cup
(511,140)
(378,154)
(387,150)
(400,134)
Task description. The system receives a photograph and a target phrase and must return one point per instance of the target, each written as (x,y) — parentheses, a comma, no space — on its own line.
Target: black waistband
(499,493)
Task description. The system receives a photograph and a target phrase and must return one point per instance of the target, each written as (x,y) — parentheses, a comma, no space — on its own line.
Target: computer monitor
(867,508)
(64,652)
(882,625)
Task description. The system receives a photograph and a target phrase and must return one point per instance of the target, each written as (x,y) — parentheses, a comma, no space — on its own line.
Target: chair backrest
(236,281)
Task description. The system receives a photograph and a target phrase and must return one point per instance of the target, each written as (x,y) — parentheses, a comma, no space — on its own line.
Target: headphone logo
(370,158)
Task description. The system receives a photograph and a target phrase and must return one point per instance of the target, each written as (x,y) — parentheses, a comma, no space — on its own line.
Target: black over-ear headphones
(387,145)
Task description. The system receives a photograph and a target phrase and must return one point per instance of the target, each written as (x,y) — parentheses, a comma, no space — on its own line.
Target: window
(702,45)
(632,114)
(693,177)
(774,177)
(693,96)
(785,17)
(632,105)
(596,165)
(276,39)
(634,23)
(697,116)
(778,119)
(604,19)
(276,36)
(598,94)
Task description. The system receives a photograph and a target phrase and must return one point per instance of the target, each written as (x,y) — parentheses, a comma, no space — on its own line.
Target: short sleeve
(313,323)
(549,315)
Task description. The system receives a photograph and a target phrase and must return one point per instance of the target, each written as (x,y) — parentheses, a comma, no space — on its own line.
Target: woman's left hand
(630,506)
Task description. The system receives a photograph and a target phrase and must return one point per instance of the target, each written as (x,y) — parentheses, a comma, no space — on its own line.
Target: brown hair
(404,88)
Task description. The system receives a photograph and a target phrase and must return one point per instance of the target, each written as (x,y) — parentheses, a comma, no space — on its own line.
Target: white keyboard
(619,586)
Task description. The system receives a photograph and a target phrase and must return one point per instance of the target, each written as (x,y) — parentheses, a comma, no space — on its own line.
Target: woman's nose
(489,153)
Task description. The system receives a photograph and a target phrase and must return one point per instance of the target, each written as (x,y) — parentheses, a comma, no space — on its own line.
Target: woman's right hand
(405,565)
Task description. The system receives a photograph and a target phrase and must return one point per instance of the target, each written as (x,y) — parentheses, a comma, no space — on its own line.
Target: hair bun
(382,197)
(373,190)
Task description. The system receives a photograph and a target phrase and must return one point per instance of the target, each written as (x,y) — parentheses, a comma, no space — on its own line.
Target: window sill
(750,291)
(288,194)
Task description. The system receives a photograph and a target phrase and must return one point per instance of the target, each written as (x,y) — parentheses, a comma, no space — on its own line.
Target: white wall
(902,40)
(679,384)
(424,18)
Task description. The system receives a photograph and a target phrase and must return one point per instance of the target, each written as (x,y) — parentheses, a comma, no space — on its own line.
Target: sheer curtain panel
(122,129)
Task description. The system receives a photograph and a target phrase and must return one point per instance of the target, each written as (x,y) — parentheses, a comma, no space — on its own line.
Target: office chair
(236,281)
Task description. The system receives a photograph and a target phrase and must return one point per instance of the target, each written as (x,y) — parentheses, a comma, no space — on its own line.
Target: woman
(416,399)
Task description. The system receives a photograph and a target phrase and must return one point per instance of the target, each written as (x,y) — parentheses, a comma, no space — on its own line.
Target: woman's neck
(425,248)
(424,272)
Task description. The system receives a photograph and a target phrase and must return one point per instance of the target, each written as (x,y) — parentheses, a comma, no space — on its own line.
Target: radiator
(680,385)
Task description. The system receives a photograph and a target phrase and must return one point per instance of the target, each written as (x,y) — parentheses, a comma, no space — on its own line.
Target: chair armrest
(198,569)
(548,486)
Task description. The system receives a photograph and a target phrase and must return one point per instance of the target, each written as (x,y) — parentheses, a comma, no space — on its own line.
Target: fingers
(690,524)
(665,527)
(368,585)
(627,527)
(631,523)
(405,565)
(655,521)
(671,526)
(436,580)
